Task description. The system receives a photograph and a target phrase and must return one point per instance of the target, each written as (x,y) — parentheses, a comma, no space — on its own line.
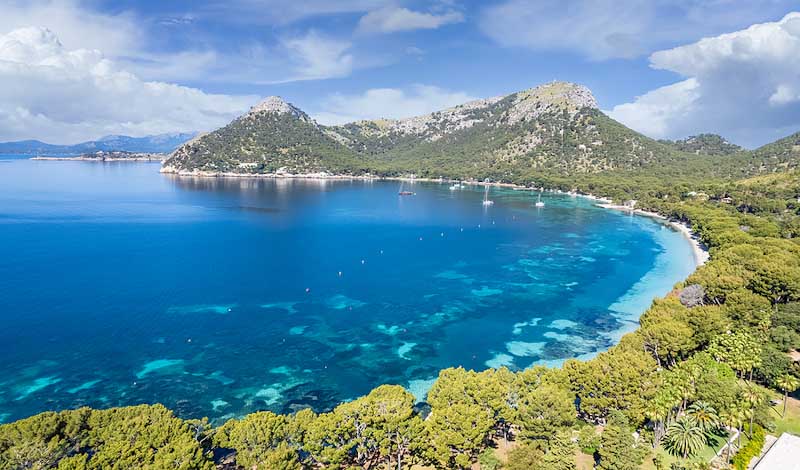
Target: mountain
(783,154)
(704,144)
(553,130)
(271,136)
(162,143)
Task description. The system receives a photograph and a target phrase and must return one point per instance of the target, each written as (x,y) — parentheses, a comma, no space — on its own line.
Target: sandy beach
(699,249)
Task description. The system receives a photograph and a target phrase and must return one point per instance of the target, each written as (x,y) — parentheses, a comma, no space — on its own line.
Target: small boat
(401,192)
(486,200)
(539,203)
(454,187)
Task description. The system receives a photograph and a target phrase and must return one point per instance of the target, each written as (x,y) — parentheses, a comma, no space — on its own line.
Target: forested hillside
(551,131)
(704,144)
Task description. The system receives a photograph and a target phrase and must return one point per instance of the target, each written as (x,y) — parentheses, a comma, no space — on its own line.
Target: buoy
(362,261)
(308,289)
(340,274)
(189,340)
(381,251)
(462,229)
(420,238)
(230,310)
(441,234)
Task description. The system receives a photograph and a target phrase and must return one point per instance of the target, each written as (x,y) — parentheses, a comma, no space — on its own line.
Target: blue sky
(81,69)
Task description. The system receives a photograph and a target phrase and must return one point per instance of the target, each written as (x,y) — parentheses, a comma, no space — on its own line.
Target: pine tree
(618,449)
(561,455)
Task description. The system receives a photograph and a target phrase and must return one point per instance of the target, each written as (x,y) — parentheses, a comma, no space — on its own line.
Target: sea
(219,297)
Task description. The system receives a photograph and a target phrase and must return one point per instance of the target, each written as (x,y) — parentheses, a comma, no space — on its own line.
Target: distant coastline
(700,251)
(108,157)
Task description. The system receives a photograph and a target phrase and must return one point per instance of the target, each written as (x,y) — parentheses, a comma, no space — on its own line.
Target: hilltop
(554,130)
(704,144)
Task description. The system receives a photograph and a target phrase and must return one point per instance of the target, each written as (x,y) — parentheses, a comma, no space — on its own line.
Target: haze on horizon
(73,70)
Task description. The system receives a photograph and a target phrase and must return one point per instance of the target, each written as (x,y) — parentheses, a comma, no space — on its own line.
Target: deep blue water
(218,297)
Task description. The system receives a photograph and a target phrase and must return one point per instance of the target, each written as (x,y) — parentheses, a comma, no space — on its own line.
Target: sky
(75,70)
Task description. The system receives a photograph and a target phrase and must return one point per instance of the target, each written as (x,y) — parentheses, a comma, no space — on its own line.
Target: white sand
(698,248)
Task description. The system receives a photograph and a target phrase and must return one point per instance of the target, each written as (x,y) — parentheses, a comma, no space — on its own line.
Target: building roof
(783,455)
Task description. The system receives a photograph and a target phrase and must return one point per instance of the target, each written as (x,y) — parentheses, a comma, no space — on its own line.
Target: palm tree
(685,437)
(787,383)
(658,414)
(731,418)
(704,415)
(755,398)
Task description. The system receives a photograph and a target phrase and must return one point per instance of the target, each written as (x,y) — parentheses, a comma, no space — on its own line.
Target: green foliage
(618,449)
(704,144)
(526,456)
(685,437)
(260,440)
(489,460)
(740,350)
(133,437)
(619,379)
(560,453)
(544,410)
(588,440)
(752,449)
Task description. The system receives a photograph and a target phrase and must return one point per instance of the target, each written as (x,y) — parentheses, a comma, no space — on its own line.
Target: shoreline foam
(699,250)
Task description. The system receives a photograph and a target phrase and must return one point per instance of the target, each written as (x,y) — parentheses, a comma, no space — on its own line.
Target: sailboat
(539,202)
(486,200)
(401,192)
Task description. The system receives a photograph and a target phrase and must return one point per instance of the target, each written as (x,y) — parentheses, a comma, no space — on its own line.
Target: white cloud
(51,92)
(744,85)
(655,112)
(316,56)
(604,29)
(391,103)
(395,19)
(132,41)
(78,27)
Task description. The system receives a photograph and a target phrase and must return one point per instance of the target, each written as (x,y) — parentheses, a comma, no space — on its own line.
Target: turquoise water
(219,297)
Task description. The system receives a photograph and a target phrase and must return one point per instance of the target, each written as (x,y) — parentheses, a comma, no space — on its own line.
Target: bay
(219,297)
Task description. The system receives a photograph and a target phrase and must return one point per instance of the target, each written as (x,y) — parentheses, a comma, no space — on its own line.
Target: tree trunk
(728,448)
(785,397)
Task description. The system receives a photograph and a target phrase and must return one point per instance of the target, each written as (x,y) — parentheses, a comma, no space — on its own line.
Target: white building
(783,455)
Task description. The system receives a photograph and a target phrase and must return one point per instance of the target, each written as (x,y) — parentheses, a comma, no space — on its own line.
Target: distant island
(161,143)
(113,156)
